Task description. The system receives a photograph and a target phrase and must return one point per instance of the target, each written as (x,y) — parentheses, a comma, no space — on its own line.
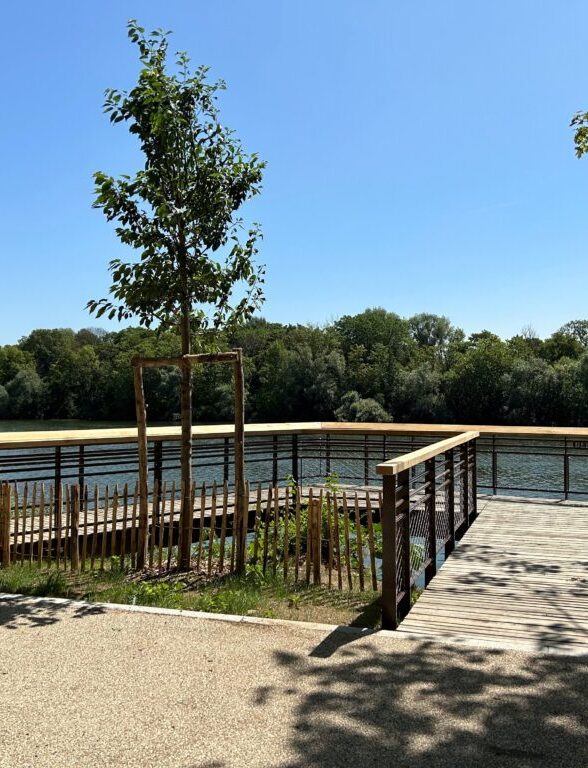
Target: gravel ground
(86,686)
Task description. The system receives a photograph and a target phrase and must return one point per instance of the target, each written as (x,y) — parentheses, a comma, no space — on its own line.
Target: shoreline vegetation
(374,366)
(252,594)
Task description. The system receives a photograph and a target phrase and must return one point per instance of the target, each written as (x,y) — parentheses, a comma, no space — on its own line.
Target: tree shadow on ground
(418,705)
(22,611)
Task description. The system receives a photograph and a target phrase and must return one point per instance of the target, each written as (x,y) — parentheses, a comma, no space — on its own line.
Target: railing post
(57,480)
(389,554)
(295,458)
(157,476)
(566,470)
(328,455)
(403,513)
(81,466)
(473,479)
(226,461)
(366,461)
(274,460)
(431,568)
(450,501)
(465,490)
(494,467)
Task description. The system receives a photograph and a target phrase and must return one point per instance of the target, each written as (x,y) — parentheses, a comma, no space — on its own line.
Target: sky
(419,154)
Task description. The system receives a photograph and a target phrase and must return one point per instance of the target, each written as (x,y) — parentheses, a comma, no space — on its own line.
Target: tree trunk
(186,512)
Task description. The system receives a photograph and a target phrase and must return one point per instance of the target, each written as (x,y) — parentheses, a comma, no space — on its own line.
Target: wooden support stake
(141,414)
(241,514)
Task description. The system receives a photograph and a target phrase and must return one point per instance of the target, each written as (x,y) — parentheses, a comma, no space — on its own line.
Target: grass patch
(253,594)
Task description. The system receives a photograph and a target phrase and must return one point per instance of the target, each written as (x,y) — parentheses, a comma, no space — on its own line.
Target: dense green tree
(365,409)
(421,396)
(560,345)
(477,384)
(25,395)
(578,329)
(12,360)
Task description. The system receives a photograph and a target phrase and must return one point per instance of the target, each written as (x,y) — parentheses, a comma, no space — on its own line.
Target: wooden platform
(519,578)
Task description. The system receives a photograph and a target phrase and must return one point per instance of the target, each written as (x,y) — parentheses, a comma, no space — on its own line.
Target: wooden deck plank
(519,578)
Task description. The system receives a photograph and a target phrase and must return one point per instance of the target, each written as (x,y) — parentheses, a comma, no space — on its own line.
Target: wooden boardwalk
(518,578)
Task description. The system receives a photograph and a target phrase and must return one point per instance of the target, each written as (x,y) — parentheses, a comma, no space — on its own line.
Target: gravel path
(88,686)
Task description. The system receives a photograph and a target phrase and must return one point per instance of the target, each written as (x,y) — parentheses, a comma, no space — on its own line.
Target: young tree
(179,212)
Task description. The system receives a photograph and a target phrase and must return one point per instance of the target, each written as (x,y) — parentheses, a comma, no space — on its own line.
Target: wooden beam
(180,360)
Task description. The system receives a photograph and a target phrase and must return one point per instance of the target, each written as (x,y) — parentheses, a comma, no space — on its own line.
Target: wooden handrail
(108,436)
(408,460)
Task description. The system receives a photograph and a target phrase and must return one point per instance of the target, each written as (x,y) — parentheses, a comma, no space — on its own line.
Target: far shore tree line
(374,366)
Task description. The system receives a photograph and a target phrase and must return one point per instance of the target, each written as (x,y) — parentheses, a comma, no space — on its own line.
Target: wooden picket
(322,536)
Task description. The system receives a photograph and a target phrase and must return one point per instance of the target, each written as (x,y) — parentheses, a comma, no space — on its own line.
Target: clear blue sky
(419,154)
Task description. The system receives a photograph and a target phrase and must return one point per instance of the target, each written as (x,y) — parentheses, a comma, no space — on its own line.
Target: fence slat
(41,538)
(330,540)
(104,529)
(115,503)
(134,529)
(161,526)
(74,538)
(201,529)
(212,525)
(84,501)
(276,530)
(297,542)
(32,523)
(123,539)
(94,528)
(67,531)
(256,526)
(286,544)
(24,501)
(51,512)
(308,562)
(371,542)
(223,536)
(268,512)
(337,536)
(347,541)
(359,544)
(5,503)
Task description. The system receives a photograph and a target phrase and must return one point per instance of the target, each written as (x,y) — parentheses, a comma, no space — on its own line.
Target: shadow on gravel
(369,705)
(18,611)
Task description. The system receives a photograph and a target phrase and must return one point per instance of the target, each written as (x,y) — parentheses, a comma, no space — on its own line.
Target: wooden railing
(429,501)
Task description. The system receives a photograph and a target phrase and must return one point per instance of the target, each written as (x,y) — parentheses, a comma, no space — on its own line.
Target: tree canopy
(297,372)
